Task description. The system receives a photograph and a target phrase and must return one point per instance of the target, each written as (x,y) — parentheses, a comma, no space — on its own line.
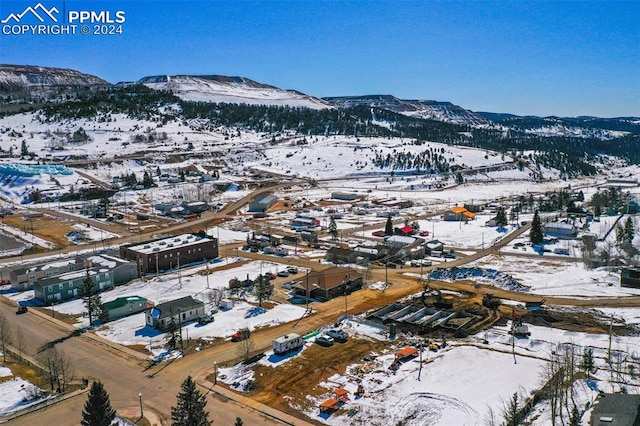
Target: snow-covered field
(560,278)
(461,384)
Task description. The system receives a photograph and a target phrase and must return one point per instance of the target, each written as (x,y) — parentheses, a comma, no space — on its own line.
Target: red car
(241,335)
(378,234)
(424,234)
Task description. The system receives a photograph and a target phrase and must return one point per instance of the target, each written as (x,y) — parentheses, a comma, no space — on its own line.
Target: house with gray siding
(181,310)
(22,278)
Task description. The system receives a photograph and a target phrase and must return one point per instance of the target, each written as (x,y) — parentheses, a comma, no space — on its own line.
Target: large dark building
(630,277)
(169,253)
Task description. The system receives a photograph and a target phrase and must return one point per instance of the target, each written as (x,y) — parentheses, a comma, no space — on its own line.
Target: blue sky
(523,57)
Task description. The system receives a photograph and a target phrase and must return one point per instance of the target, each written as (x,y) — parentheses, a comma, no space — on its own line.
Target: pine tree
(535,233)
(86,290)
(238,422)
(264,289)
(512,411)
(147,180)
(629,231)
(388,229)
(459,179)
(172,336)
(333,228)
(24,149)
(619,235)
(587,360)
(97,410)
(575,417)
(597,210)
(190,408)
(501,217)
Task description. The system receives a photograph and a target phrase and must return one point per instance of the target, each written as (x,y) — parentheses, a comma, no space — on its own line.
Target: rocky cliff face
(33,83)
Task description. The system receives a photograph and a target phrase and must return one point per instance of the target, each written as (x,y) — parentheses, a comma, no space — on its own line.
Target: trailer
(287,343)
(535,305)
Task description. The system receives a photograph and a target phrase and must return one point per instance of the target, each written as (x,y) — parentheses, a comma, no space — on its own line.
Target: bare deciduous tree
(58,369)
(215,295)
(20,342)
(5,336)
(245,347)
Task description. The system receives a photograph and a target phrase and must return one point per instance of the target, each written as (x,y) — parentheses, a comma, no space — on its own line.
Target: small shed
(408,352)
(342,395)
(125,306)
(330,404)
(225,304)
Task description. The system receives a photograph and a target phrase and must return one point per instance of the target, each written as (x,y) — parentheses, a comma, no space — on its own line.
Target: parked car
(418,263)
(240,335)
(288,285)
(21,310)
(449,255)
(292,270)
(205,319)
(283,274)
(337,335)
(325,340)
(424,234)
(378,233)
(271,275)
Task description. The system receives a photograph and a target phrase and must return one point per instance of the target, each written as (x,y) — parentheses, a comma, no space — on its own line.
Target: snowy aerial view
(345,213)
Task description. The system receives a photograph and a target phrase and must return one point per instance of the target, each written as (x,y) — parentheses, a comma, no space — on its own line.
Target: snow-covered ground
(560,278)
(461,384)
(17,394)
(85,233)
(245,313)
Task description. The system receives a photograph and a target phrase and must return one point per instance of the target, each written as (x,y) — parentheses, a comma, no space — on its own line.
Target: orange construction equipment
(406,353)
(342,395)
(329,404)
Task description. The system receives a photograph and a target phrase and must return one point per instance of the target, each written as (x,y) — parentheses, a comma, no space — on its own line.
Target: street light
(307,294)
(346,286)
(215,373)
(141,412)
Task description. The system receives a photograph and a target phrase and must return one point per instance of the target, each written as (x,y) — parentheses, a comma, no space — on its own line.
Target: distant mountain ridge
(28,82)
(581,125)
(219,89)
(428,109)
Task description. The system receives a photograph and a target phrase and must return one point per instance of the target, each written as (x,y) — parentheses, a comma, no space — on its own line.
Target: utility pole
(307,294)
(420,369)
(179,275)
(207,271)
(386,274)
(346,284)
(180,328)
(610,334)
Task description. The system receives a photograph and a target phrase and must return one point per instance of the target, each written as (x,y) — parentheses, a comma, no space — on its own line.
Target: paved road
(124,377)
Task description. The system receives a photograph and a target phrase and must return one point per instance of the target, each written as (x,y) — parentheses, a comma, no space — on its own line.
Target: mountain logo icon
(38,11)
